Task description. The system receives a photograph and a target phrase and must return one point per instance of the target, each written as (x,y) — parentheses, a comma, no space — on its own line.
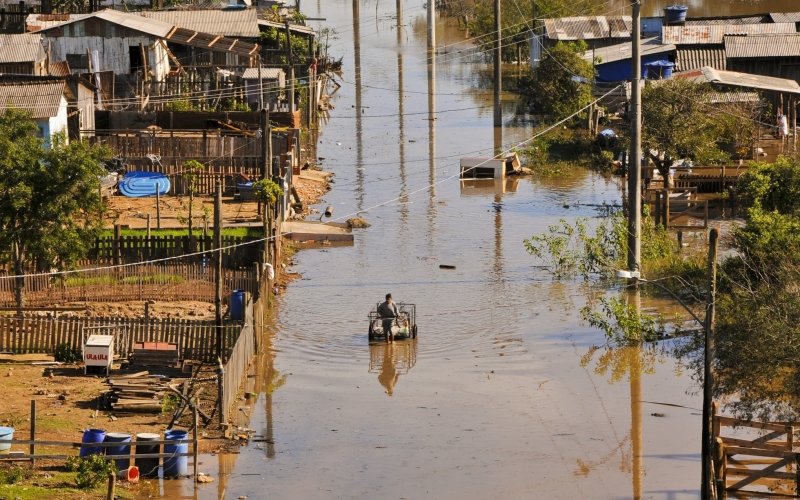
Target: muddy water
(502,395)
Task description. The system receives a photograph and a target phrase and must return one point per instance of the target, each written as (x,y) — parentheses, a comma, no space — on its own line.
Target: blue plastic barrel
(236,306)
(675,13)
(121,454)
(176,466)
(92,436)
(148,467)
(6,434)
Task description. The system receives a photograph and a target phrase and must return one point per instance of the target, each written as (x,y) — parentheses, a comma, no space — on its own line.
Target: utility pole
(291,65)
(635,157)
(218,296)
(498,75)
(707,486)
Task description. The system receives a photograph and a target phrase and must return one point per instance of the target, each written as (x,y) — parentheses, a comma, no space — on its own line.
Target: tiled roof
(714,33)
(42,99)
(588,27)
(744,80)
(233,23)
(690,57)
(20,48)
(785,45)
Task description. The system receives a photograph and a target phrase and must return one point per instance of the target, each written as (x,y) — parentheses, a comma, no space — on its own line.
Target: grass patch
(151,279)
(54,484)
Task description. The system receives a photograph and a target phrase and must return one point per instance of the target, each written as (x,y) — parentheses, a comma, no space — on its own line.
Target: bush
(91,470)
(65,353)
(13,474)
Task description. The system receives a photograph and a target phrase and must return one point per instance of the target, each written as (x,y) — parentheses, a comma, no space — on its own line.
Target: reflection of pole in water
(431,116)
(358,109)
(498,235)
(401,117)
(635,375)
(390,360)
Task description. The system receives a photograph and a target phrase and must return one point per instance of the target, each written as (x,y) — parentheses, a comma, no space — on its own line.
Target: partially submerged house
(613,63)
(22,54)
(699,45)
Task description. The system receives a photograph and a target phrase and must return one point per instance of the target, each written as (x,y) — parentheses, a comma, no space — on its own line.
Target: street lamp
(707,486)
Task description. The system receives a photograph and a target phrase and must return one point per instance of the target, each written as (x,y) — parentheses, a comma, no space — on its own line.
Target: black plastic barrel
(121,454)
(148,467)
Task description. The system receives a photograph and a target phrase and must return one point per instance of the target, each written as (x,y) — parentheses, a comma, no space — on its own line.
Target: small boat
(139,184)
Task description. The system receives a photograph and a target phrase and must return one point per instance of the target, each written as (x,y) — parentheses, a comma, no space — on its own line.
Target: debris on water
(204,478)
(357,222)
(446,266)
(658,414)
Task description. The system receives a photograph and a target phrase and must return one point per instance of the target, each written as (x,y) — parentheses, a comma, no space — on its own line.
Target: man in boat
(388,313)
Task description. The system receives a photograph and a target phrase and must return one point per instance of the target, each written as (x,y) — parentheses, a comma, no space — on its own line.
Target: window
(78,61)
(135,58)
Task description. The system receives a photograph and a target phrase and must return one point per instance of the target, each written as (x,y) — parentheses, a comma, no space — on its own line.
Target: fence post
(719,467)
(32,449)
(194,439)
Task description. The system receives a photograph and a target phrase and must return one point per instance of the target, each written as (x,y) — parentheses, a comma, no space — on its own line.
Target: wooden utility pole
(220,339)
(707,486)
(498,75)
(290,63)
(635,163)
(265,139)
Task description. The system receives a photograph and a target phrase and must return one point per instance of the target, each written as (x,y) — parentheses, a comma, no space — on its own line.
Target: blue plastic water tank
(675,14)
(236,306)
(92,436)
(6,434)
(176,466)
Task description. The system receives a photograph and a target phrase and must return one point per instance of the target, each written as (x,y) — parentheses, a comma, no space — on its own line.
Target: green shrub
(65,353)
(14,474)
(91,470)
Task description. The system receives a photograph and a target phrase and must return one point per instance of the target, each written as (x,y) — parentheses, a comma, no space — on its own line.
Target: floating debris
(357,223)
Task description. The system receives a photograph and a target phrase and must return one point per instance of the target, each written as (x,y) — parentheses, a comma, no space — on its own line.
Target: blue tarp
(140,184)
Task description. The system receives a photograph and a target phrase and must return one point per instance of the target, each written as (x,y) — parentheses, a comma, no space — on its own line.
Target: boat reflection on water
(390,360)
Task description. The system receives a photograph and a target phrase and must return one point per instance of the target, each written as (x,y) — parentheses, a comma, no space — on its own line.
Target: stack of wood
(139,392)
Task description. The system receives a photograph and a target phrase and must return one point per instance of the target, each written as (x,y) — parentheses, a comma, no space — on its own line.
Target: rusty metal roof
(41,99)
(691,57)
(778,45)
(714,34)
(744,80)
(232,23)
(728,20)
(588,27)
(21,48)
(785,17)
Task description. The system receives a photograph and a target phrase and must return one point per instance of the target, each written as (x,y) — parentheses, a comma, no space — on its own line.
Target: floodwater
(502,395)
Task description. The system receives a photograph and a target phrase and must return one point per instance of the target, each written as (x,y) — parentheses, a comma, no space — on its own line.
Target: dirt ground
(133,212)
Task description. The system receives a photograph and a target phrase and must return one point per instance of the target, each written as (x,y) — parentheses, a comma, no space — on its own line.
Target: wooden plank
(753,475)
(758,452)
(749,444)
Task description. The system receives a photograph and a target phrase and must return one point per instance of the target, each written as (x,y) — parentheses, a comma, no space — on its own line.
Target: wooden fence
(243,251)
(710,179)
(167,281)
(768,454)
(238,362)
(37,334)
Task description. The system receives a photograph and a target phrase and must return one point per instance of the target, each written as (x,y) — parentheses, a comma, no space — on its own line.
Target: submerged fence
(238,362)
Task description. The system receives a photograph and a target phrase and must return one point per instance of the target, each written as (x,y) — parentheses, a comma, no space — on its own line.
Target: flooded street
(500,396)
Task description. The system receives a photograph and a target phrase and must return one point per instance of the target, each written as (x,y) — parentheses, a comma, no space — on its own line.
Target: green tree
(560,85)
(50,205)
(191,173)
(683,119)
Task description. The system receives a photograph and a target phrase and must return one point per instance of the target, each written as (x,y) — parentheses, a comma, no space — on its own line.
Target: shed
(776,55)
(44,100)
(273,82)
(22,54)
(613,63)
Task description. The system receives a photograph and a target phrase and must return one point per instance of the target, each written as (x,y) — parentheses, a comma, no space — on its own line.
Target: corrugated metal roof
(588,27)
(785,17)
(731,97)
(233,23)
(58,68)
(266,73)
(693,58)
(780,45)
(714,34)
(37,22)
(297,28)
(622,51)
(152,27)
(728,20)
(41,99)
(20,48)
(745,80)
